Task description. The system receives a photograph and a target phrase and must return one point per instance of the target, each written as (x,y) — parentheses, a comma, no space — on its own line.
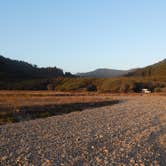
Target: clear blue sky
(82,35)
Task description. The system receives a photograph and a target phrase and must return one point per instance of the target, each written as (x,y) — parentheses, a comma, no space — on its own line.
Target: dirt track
(133,131)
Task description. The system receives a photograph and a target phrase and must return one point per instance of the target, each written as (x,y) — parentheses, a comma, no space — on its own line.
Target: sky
(83,35)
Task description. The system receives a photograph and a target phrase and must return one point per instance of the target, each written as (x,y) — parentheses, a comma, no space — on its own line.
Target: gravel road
(132,132)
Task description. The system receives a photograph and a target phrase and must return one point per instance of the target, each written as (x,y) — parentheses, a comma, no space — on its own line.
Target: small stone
(105,151)
(100,136)
(98,159)
(132,161)
(106,162)
(4,158)
(121,149)
(46,163)
(28,155)
(63,156)
(78,139)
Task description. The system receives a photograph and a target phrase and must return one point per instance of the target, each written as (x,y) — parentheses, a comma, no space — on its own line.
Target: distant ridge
(104,73)
(157,69)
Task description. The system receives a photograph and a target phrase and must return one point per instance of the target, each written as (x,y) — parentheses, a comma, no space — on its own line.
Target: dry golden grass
(34,104)
(33,98)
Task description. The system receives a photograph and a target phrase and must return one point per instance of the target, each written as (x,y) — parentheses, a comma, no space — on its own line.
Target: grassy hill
(112,85)
(152,77)
(19,75)
(157,70)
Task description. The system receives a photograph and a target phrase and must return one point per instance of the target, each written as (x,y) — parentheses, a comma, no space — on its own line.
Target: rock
(3,158)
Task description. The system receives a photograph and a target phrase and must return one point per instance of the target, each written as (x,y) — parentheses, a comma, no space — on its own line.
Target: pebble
(117,134)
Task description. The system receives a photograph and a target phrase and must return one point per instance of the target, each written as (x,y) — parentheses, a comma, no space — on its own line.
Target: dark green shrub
(91,88)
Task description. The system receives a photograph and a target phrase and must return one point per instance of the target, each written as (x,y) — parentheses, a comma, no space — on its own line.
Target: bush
(112,85)
(91,88)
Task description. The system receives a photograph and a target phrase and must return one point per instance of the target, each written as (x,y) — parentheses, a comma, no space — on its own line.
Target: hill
(157,70)
(19,75)
(18,70)
(104,73)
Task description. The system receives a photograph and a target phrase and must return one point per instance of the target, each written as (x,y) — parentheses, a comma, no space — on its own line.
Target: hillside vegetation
(18,75)
(113,85)
(20,70)
(158,69)
(152,77)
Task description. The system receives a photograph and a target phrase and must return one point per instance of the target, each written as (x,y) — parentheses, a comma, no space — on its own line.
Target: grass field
(17,106)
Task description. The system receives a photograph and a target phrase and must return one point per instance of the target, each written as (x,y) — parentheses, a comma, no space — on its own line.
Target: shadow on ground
(10,114)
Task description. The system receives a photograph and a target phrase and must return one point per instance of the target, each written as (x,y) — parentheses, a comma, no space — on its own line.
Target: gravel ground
(132,132)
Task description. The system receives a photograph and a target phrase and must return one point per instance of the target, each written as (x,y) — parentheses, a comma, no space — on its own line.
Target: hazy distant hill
(104,73)
(157,69)
(14,69)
